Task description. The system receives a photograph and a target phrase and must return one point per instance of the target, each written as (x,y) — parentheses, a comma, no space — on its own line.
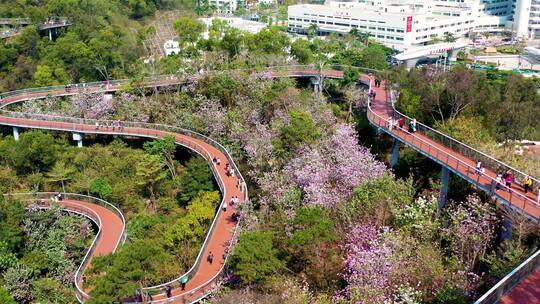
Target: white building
(171,47)
(226,7)
(404,23)
(235,22)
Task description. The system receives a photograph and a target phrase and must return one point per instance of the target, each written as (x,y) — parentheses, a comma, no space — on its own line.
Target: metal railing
(468,171)
(8,21)
(464,149)
(510,280)
(146,130)
(42,199)
(55,23)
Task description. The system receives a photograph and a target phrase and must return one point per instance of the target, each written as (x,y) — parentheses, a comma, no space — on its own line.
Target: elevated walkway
(203,276)
(411,56)
(453,156)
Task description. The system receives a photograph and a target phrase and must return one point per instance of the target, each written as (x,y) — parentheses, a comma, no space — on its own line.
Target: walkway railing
(464,149)
(517,199)
(14,21)
(42,199)
(510,280)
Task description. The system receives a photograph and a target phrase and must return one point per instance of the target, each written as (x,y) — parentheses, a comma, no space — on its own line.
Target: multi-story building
(225,7)
(404,23)
(397,24)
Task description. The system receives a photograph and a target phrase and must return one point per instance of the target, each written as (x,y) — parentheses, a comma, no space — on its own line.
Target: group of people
(400,124)
(228,170)
(83,87)
(507,178)
(114,124)
(57,197)
(377,83)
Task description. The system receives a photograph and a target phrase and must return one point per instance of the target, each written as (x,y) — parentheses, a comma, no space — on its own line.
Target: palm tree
(449,37)
(60,172)
(313,30)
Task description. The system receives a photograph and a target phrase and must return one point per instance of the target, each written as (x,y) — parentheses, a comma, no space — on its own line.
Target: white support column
(78,137)
(16,133)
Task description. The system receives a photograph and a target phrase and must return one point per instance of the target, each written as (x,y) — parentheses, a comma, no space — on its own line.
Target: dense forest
(327,222)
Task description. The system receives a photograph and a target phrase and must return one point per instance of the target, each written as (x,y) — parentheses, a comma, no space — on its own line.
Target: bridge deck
(527,291)
(381,110)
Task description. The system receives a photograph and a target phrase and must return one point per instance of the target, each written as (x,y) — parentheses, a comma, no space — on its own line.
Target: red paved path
(112,226)
(379,113)
(527,291)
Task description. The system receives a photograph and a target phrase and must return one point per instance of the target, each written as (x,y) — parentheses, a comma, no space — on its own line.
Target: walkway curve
(107,218)
(204,277)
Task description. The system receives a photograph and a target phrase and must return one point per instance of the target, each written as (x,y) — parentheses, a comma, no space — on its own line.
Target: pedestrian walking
(210,257)
(168,291)
(499,180)
(508,180)
(390,123)
(401,123)
(538,197)
(224,206)
(527,184)
(138,295)
(218,162)
(183,281)
(97,125)
(478,167)
(413,124)
(113,125)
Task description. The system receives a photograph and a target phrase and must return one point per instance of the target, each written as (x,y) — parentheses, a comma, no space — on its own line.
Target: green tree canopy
(255,257)
(189,30)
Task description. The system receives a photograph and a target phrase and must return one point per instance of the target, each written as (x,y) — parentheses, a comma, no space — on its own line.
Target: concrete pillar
(411,63)
(452,54)
(16,133)
(445,176)
(316,84)
(50,34)
(506,233)
(78,137)
(395,153)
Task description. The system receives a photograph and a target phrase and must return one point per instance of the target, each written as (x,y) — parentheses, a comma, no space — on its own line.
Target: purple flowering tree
(328,173)
(471,229)
(368,266)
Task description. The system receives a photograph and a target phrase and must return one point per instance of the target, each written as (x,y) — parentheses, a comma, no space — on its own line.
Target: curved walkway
(204,277)
(110,221)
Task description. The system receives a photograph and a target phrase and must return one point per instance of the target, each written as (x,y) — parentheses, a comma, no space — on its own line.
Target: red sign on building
(409,24)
